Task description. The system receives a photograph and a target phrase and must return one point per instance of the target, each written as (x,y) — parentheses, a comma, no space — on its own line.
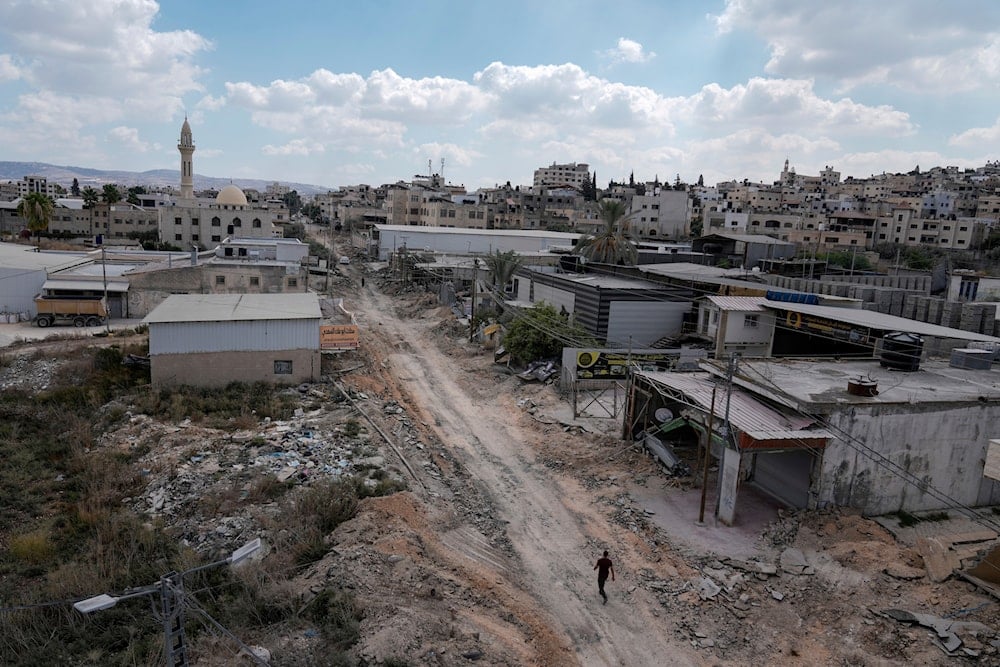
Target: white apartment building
(558,175)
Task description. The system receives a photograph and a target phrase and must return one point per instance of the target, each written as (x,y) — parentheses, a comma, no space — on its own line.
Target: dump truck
(80,311)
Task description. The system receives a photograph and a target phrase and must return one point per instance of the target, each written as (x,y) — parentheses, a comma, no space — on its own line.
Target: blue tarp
(792,297)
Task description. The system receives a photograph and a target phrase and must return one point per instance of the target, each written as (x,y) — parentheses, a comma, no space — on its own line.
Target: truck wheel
(92,321)
(79,321)
(43,322)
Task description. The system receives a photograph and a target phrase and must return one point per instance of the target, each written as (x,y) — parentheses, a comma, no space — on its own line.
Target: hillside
(64,175)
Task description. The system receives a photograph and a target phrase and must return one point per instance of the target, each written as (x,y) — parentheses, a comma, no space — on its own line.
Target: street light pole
(172,597)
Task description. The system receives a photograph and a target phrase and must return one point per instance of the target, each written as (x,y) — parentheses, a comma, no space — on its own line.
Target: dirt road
(542,563)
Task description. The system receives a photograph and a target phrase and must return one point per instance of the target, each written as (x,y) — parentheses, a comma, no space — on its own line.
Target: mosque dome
(232,196)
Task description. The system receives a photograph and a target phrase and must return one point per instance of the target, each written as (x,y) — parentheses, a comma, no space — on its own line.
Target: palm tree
(611,245)
(90,197)
(111,194)
(36,210)
(502,266)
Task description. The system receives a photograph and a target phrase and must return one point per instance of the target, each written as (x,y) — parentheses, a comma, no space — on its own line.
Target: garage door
(784,475)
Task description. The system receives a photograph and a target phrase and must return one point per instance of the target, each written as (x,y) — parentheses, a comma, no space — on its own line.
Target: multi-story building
(574,174)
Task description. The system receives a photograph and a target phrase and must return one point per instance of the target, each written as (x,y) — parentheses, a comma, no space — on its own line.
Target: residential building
(561,175)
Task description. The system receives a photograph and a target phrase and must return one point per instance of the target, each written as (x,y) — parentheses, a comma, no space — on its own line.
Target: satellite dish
(663,415)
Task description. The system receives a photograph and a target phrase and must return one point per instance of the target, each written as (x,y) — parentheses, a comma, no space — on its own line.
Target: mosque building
(188,220)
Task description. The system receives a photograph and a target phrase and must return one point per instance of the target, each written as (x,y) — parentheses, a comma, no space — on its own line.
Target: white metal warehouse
(215,339)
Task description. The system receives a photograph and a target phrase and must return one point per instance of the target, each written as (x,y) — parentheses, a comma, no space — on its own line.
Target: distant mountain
(15,171)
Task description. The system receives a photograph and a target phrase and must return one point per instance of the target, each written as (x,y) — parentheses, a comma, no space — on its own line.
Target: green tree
(612,244)
(293,201)
(36,211)
(90,197)
(75,188)
(133,194)
(110,194)
(845,259)
(541,333)
(313,212)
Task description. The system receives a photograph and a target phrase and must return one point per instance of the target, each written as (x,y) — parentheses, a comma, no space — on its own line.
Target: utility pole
(172,601)
(475,283)
(104,271)
(708,457)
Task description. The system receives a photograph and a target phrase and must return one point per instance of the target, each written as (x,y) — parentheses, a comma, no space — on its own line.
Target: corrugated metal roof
(235,307)
(747,304)
(881,321)
(746,414)
(84,285)
(749,238)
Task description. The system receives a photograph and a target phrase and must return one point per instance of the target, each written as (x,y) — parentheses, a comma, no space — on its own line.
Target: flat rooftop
(235,307)
(810,384)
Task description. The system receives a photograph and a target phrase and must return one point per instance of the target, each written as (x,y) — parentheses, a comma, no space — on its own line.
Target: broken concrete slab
(793,561)
(903,571)
(708,589)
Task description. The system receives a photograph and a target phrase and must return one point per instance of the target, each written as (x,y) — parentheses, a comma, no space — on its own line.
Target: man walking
(603,567)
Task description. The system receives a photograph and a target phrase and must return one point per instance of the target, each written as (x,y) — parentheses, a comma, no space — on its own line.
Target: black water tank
(901,351)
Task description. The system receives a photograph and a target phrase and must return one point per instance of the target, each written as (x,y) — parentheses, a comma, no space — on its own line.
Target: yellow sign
(338,336)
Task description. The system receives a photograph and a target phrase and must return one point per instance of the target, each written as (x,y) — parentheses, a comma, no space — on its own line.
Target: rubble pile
(207,483)
(28,374)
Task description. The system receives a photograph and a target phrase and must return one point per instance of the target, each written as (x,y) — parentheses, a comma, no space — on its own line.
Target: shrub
(32,548)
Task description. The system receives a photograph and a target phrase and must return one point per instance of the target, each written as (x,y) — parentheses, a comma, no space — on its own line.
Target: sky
(334,94)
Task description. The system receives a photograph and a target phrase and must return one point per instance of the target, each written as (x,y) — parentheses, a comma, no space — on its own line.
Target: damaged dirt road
(499,520)
(489,556)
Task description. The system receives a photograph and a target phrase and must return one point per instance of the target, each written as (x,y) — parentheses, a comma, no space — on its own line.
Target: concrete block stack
(896,302)
(951,314)
(883,300)
(934,307)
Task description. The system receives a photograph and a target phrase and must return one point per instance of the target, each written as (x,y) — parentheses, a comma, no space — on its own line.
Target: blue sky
(341,93)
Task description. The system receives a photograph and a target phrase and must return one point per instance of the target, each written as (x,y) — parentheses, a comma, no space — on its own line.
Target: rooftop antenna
(442,169)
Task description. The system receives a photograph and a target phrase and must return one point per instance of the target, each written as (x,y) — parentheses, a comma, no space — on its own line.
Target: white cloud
(104,48)
(9,71)
(786,104)
(211,103)
(294,147)
(920,45)
(628,51)
(453,153)
(978,137)
(128,137)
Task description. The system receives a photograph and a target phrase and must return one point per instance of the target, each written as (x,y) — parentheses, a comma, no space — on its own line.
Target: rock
(708,589)
(905,572)
(258,653)
(473,655)
(777,596)
(793,561)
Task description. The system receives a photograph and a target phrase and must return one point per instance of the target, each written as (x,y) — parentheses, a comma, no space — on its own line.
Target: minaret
(186,147)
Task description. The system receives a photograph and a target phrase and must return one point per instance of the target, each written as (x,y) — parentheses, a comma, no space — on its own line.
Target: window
(220,280)
(451,213)
(237,222)
(256,223)
(177,221)
(194,221)
(293,282)
(282,367)
(750,321)
(194,237)
(177,237)
(216,238)
(254,281)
